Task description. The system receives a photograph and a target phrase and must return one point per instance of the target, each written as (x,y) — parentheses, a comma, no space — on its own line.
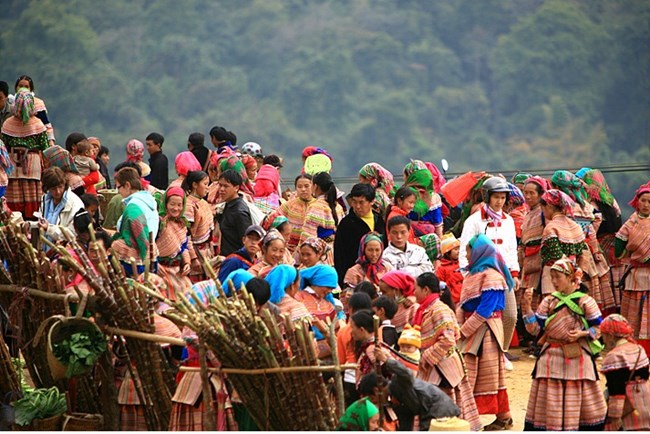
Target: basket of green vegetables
(73,347)
(39,410)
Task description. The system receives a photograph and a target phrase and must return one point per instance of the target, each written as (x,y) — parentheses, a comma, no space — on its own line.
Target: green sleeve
(619,247)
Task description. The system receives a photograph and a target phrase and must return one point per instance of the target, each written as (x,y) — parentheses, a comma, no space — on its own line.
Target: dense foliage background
(488,84)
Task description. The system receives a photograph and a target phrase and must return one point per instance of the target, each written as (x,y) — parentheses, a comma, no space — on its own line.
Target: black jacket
(159,177)
(346,243)
(233,223)
(103,170)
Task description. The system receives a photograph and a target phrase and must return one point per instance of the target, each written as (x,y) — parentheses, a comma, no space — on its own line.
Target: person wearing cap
(410,342)
(448,270)
(245,257)
(626,369)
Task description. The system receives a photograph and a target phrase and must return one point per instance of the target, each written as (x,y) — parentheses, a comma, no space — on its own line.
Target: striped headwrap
(234,163)
(560,200)
(378,176)
(516,197)
(597,187)
(24,107)
(432,245)
(56,156)
(571,185)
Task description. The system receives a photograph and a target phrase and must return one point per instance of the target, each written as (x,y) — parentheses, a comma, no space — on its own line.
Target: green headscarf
(597,187)
(358,415)
(418,176)
(571,185)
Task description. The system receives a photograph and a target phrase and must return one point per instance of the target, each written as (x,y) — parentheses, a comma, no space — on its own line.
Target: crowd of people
(428,294)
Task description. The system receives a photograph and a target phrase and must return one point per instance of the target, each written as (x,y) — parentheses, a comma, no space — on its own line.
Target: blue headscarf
(484,254)
(238,277)
(280,277)
(320,275)
(581,173)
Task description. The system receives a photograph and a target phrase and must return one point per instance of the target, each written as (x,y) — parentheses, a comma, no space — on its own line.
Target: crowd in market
(457,271)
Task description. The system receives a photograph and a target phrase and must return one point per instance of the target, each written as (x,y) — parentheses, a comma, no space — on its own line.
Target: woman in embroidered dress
(592,261)
(427,213)
(324,214)
(56,156)
(313,251)
(482,301)
(285,283)
(633,242)
(382,180)
(273,247)
(441,363)
(602,199)
(561,235)
(369,266)
(26,82)
(295,210)
(281,223)
(174,244)
(25,137)
(399,286)
(199,214)
(565,395)
(626,368)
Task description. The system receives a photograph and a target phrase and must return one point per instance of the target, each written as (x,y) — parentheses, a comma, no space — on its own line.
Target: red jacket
(449,272)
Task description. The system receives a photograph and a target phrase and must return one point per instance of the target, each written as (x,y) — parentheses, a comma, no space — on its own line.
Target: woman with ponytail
(323,215)
(441,363)
(199,215)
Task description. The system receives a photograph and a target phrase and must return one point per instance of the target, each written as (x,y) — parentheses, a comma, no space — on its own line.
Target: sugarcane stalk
(338,377)
(210,423)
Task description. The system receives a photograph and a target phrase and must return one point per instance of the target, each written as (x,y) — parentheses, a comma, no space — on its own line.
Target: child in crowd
(409,342)
(88,169)
(404,202)
(91,204)
(448,270)
(386,308)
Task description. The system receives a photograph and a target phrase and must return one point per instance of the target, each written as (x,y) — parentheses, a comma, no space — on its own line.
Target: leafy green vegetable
(39,404)
(80,351)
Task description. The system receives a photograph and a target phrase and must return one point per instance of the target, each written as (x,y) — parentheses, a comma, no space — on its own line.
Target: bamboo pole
(145,336)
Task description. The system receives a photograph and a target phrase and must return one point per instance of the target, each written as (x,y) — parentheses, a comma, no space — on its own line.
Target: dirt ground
(518,382)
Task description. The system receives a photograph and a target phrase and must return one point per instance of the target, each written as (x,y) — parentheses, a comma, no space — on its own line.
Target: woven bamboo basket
(48,424)
(59,331)
(82,422)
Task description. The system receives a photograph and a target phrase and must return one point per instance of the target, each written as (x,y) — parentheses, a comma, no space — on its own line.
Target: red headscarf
(400,280)
(616,325)
(267,181)
(186,162)
(645,188)
(542,182)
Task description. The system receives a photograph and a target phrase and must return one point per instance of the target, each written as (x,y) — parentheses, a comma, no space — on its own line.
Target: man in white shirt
(401,254)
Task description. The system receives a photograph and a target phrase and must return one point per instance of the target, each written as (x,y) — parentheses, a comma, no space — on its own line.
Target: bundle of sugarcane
(246,342)
(9,383)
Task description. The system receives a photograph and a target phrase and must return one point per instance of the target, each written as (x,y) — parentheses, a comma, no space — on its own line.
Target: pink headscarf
(645,188)
(542,182)
(134,150)
(400,280)
(438,179)
(267,181)
(186,162)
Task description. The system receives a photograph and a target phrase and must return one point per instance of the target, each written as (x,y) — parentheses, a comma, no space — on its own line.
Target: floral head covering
(278,221)
(560,200)
(186,162)
(538,180)
(318,245)
(271,235)
(370,268)
(520,177)
(400,280)
(56,156)
(571,185)
(645,188)
(566,265)
(597,187)
(432,245)
(134,150)
(357,416)
(24,107)
(484,254)
(233,162)
(516,197)
(279,278)
(315,150)
(617,326)
(378,176)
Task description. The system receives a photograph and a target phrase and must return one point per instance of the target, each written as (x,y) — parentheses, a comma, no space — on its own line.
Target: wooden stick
(145,336)
(338,377)
(281,370)
(210,422)
(37,293)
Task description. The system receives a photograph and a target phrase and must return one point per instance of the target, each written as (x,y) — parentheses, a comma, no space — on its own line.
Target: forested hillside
(488,84)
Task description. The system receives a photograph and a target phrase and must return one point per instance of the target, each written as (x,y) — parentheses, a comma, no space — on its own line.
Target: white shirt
(502,234)
(413,260)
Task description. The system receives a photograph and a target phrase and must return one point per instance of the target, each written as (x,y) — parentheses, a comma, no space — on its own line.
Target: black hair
(324,181)
(359,301)
(282,225)
(538,188)
(388,304)
(232,177)
(4,88)
(196,139)
(81,221)
(130,164)
(192,177)
(89,199)
(363,190)
(103,150)
(367,287)
(432,283)
(403,193)
(367,384)
(107,239)
(73,139)
(398,220)
(29,80)
(157,138)
(273,160)
(260,289)
(220,134)
(302,176)
(364,320)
